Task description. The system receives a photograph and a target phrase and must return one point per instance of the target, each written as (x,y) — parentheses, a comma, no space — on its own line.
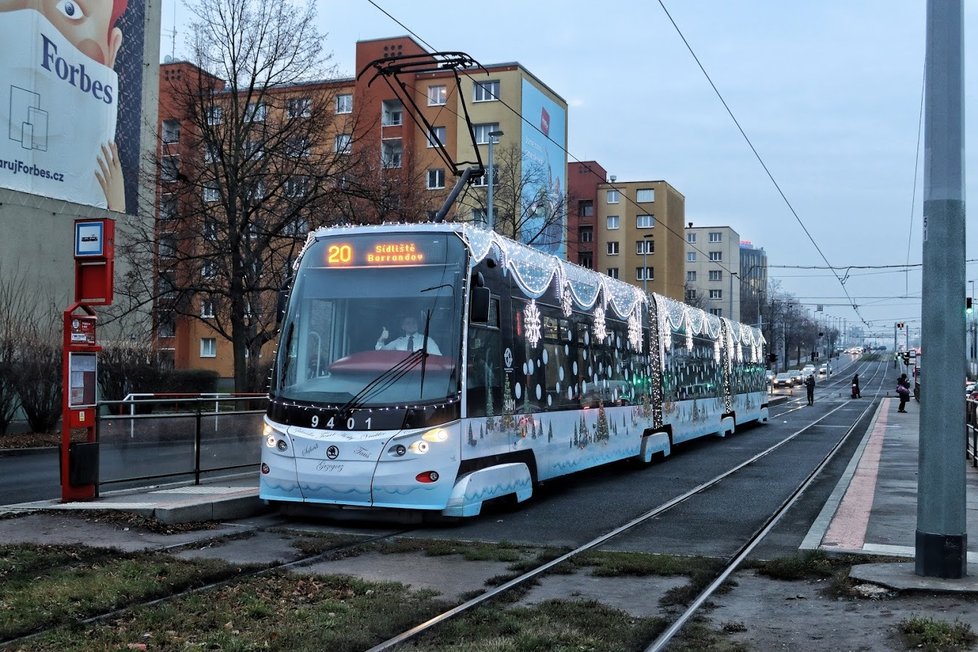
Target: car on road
(807,370)
(770,376)
(823,370)
(784,379)
(797,376)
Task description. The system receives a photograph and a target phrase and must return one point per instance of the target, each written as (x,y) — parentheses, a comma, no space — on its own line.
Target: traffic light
(772,357)
(906,358)
(967,305)
(899,325)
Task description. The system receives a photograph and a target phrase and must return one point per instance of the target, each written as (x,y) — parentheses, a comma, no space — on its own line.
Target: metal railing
(971,431)
(151,437)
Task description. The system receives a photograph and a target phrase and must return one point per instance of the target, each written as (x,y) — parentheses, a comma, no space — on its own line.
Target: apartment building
(397,172)
(713,269)
(638,234)
(753,281)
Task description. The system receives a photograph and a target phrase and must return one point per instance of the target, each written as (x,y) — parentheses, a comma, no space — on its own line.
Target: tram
(522,367)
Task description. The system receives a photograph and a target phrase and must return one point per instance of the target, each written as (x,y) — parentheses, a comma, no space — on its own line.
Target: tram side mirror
(479,305)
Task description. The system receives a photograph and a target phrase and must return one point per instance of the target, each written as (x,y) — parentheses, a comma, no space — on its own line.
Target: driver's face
(410,325)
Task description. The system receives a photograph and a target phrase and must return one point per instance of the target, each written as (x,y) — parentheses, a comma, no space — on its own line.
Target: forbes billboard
(70,100)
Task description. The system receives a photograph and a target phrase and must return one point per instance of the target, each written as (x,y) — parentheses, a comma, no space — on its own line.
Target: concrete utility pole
(941,537)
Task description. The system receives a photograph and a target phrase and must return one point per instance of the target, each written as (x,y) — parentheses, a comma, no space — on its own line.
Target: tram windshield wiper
(384,380)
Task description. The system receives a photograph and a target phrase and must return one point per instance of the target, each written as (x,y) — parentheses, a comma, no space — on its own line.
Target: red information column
(94,253)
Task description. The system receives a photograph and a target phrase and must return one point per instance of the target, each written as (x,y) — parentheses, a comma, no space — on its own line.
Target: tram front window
(373,334)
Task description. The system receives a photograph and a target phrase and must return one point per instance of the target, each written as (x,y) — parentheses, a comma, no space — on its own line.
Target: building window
(342,143)
(479,216)
(716,294)
(715,236)
(613,272)
(481,132)
(255,112)
(690,295)
(690,256)
(612,248)
(716,256)
(209,269)
(716,275)
(691,238)
(390,153)
(298,147)
(483,181)
(614,222)
(168,246)
(215,115)
(299,107)
(208,347)
(169,168)
(716,311)
(586,234)
(690,277)
(166,324)
(344,103)
(645,246)
(296,186)
(436,137)
(436,179)
(486,91)
(392,114)
(211,192)
(171,131)
(168,207)
(613,197)
(585,208)
(298,226)
(644,221)
(645,195)
(210,228)
(206,308)
(253,149)
(644,273)
(584,259)
(437,95)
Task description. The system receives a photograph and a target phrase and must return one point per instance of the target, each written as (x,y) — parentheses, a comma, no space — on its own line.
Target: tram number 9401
(331,423)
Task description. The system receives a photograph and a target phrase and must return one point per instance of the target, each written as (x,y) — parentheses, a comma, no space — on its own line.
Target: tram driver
(411,341)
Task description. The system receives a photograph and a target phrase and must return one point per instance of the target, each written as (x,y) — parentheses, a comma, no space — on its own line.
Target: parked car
(784,379)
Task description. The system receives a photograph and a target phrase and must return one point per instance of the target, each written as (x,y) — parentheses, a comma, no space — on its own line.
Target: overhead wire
(523,119)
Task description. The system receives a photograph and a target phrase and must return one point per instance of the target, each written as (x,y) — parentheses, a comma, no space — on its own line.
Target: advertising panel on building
(70,99)
(545,170)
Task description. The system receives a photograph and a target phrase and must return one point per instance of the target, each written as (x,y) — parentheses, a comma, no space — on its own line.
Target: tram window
(549,328)
(565,331)
(484,372)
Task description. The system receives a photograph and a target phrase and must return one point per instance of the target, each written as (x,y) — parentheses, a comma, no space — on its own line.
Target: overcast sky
(829,93)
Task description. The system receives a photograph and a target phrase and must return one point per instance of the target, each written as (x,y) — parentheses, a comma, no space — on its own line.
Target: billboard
(70,99)
(544,172)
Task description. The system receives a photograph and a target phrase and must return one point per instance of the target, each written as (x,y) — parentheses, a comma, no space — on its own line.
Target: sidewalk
(873,509)
(222,499)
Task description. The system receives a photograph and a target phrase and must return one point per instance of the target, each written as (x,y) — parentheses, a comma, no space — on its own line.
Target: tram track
(877,374)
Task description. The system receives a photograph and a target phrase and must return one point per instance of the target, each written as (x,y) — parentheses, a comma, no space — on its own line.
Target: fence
(971,431)
(151,437)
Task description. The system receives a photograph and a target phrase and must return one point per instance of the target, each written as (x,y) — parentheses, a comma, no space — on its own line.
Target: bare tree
(527,206)
(258,160)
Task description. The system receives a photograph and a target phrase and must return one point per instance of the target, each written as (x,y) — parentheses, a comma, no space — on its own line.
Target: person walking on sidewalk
(903,391)
(810,388)
(855,387)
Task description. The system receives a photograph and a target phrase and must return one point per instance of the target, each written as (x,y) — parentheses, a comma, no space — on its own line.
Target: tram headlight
(436,435)
(398,450)
(270,440)
(419,447)
(282,445)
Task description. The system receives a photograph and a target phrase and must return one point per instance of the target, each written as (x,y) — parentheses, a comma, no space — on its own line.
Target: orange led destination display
(375,253)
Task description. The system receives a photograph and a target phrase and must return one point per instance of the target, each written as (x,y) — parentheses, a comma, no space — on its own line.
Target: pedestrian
(903,391)
(810,388)
(855,387)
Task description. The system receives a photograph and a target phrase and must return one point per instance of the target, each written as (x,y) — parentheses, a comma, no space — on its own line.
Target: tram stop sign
(94,261)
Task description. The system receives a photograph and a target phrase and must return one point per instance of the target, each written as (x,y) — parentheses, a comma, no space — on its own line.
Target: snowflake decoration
(566,302)
(600,329)
(635,332)
(716,350)
(531,318)
(740,352)
(689,337)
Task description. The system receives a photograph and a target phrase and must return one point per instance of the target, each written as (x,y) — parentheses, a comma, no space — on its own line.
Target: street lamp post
(492,179)
(645,261)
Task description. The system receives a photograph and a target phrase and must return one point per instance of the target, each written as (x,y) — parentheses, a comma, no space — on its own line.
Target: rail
(177,435)
(971,431)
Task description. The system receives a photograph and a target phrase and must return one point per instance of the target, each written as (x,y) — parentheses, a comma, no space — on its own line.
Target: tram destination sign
(384,251)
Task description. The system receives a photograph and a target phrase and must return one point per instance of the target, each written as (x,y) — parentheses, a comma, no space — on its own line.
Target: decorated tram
(439,366)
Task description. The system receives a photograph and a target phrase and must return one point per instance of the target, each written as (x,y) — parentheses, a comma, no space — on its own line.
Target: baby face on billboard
(88,24)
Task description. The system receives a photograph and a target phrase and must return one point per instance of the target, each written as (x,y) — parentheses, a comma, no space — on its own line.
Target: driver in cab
(411,341)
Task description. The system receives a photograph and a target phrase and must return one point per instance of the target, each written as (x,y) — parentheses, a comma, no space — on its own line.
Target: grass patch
(320,543)
(936,635)
(275,611)
(48,586)
(637,564)
(551,625)
(809,565)
(468,550)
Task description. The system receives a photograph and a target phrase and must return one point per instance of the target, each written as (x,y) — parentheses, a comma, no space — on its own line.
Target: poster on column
(70,99)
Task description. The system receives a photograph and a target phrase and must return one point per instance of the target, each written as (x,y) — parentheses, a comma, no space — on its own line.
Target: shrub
(37,381)
(9,401)
(128,368)
(193,381)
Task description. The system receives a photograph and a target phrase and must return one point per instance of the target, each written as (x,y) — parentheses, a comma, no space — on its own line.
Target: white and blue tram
(543,368)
